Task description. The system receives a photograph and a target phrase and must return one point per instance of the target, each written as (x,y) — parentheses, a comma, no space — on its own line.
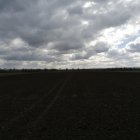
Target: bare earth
(70,106)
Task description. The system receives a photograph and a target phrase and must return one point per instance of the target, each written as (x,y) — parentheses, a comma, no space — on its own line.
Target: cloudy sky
(69,33)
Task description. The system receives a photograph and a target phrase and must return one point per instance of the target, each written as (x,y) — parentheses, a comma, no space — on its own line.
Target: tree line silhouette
(70,70)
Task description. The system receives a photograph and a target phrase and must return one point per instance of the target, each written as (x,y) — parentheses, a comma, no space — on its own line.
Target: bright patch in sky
(120,36)
(88,4)
(85,22)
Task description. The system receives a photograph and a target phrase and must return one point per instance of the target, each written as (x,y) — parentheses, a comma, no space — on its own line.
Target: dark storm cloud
(100,47)
(133,46)
(14,5)
(67,25)
(37,24)
(119,55)
(76,10)
(67,45)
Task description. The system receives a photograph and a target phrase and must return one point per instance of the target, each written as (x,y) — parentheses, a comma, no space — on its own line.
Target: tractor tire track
(19,105)
(6,126)
(33,125)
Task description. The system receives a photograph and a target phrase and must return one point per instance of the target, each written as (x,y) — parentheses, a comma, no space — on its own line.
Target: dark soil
(70,106)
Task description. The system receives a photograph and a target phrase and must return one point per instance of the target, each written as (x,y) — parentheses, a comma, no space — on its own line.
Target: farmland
(70,105)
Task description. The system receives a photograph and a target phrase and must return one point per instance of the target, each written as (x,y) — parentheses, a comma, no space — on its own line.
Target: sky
(69,33)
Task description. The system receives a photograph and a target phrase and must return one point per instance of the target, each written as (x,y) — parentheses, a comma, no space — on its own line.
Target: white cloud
(117,36)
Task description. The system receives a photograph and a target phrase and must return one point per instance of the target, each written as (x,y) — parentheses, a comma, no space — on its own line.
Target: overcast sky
(69,33)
